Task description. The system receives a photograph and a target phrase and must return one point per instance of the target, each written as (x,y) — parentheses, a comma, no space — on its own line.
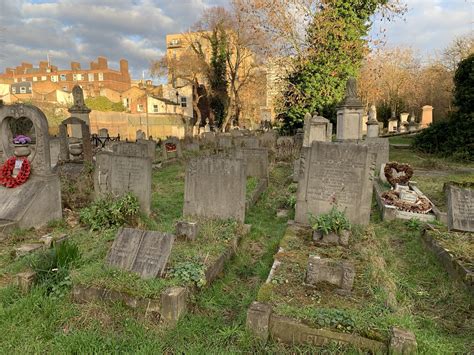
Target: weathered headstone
(460,208)
(316,128)
(119,174)
(381,148)
(140,135)
(338,273)
(143,252)
(215,188)
(150,146)
(130,149)
(80,111)
(268,140)
(224,141)
(256,160)
(335,173)
(246,142)
(188,230)
(372,123)
(83,147)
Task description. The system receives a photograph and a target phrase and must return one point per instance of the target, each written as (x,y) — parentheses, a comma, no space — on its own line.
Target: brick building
(98,77)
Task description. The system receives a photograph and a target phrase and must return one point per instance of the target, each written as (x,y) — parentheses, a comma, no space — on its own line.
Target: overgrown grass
(401,140)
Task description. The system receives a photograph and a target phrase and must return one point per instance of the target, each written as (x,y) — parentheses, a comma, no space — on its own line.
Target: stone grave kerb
(41,157)
(86,139)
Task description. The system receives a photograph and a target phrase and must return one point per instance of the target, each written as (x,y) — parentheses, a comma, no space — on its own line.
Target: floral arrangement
(21,139)
(6,178)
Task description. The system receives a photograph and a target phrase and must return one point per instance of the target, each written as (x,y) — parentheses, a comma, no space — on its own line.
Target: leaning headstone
(335,173)
(215,188)
(143,252)
(460,208)
(337,273)
(256,160)
(120,174)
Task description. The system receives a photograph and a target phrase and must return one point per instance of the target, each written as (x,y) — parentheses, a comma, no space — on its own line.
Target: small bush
(334,221)
(102,103)
(52,267)
(189,271)
(110,212)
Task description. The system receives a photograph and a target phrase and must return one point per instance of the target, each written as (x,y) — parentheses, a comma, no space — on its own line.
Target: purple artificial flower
(21,139)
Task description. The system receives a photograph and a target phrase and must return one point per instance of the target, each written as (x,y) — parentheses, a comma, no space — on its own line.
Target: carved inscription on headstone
(215,187)
(460,208)
(119,174)
(143,252)
(335,174)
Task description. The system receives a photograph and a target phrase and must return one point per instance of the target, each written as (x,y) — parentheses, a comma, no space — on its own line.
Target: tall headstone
(460,208)
(79,110)
(336,174)
(143,252)
(350,114)
(372,123)
(38,200)
(426,116)
(215,188)
(120,174)
(316,128)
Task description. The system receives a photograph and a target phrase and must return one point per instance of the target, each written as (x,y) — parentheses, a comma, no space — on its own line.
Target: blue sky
(81,30)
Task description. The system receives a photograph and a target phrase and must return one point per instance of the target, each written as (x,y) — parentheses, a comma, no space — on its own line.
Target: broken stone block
(338,273)
(402,342)
(173,304)
(331,238)
(258,319)
(282,213)
(25,280)
(187,230)
(26,249)
(48,239)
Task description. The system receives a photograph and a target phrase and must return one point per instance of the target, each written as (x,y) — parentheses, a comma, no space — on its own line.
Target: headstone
(171,148)
(236,133)
(392,125)
(460,208)
(103,133)
(335,173)
(224,141)
(66,150)
(338,273)
(350,113)
(120,174)
(381,148)
(150,147)
(256,161)
(426,116)
(246,142)
(140,135)
(215,188)
(372,123)
(130,149)
(268,140)
(80,111)
(404,121)
(208,138)
(143,252)
(38,200)
(316,128)
(188,230)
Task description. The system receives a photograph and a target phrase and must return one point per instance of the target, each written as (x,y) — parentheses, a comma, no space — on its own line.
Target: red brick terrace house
(92,80)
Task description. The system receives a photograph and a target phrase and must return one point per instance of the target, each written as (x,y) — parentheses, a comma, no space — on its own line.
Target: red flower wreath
(6,178)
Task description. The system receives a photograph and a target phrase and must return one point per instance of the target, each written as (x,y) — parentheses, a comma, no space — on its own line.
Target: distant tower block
(426,116)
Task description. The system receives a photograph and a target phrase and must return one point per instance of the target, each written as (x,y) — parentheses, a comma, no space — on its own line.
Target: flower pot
(21,150)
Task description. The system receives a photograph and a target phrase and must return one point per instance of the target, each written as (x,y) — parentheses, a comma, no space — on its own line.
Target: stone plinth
(316,128)
(350,113)
(337,273)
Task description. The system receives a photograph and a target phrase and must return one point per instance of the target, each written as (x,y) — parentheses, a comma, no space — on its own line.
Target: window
(14,90)
(140,108)
(15,80)
(155,108)
(54,78)
(23,90)
(65,88)
(76,77)
(184,101)
(62,77)
(43,78)
(101,76)
(90,76)
(35,78)
(23,79)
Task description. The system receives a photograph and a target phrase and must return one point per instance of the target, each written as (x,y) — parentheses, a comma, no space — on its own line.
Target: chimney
(102,63)
(75,66)
(43,65)
(124,66)
(94,65)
